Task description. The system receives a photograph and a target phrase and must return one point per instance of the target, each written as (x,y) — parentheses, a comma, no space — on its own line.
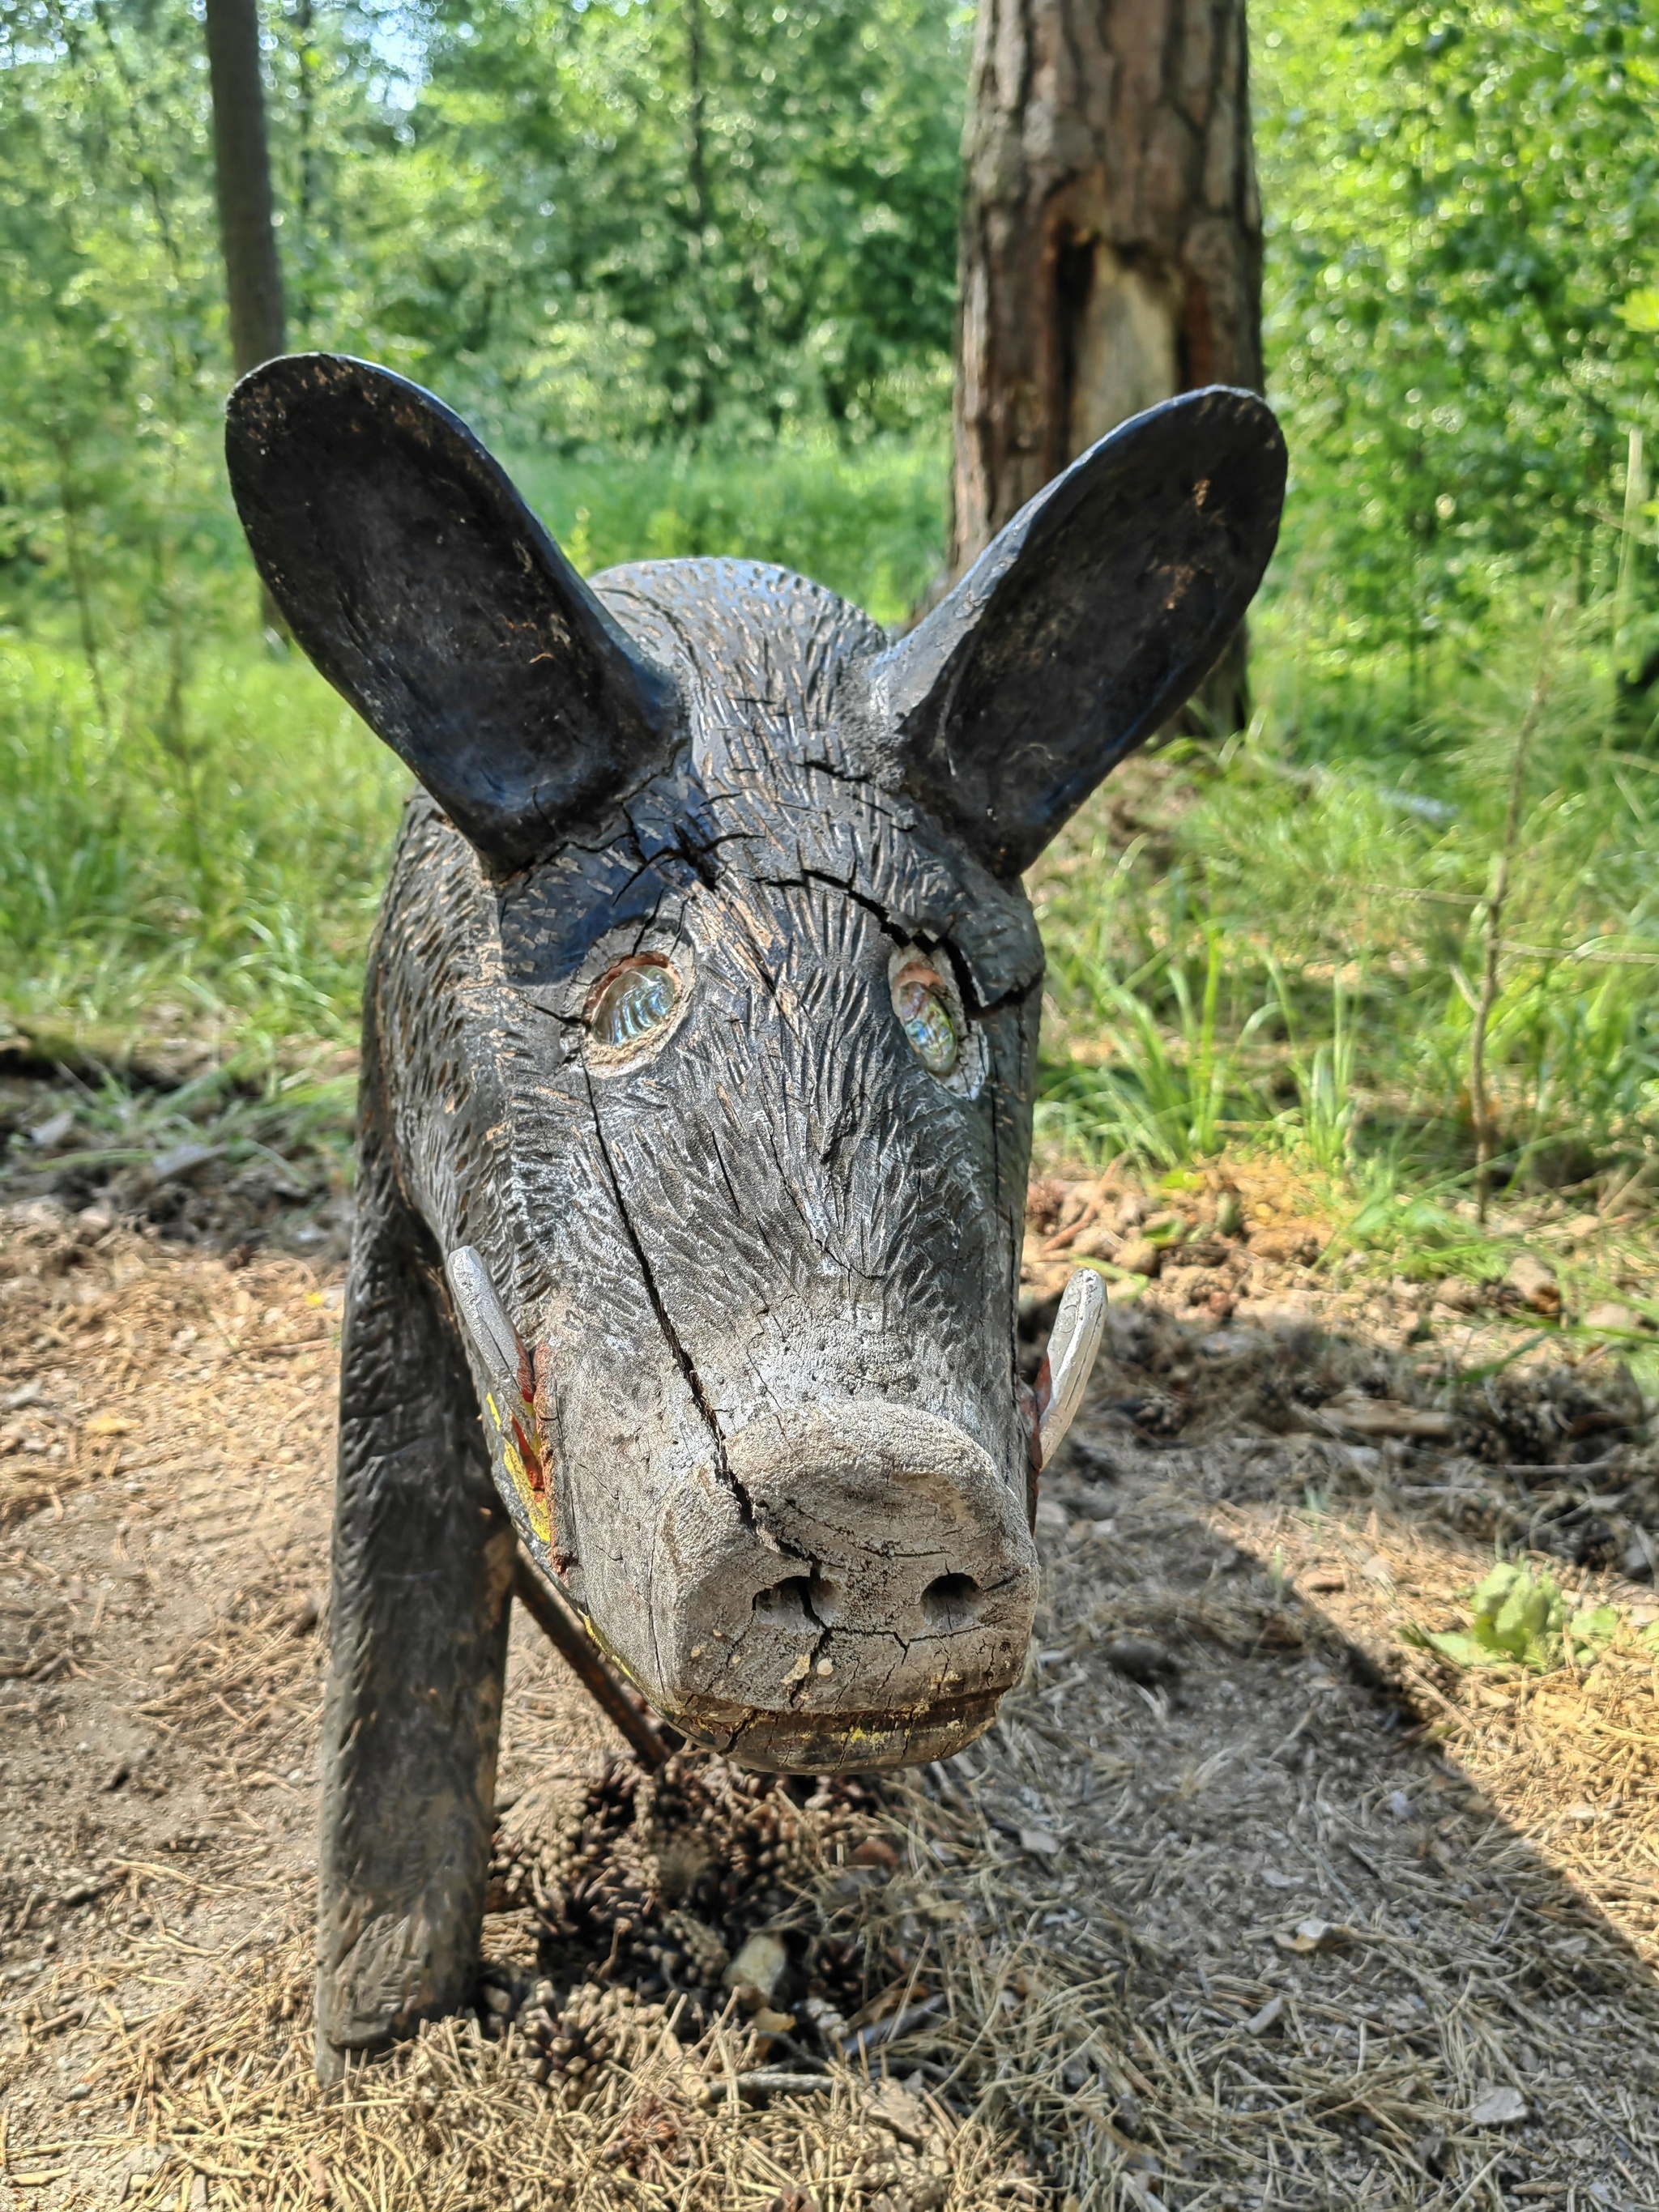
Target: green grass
(1284,952)
(1269,947)
(870,523)
(201,849)
(213,872)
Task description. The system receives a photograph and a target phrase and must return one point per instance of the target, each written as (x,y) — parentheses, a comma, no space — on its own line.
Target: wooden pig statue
(699,1042)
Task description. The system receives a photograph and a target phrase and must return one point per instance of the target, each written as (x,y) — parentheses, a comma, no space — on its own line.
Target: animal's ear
(1087,622)
(423,588)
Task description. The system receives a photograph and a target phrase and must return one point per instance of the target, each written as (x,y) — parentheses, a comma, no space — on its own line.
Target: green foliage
(200,878)
(1350,901)
(493,199)
(869,522)
(1458,202)
(109,324)
(210,851)
(1159,1101)
(1327,1109)
(606,256)
(649,221)
(1520,1619)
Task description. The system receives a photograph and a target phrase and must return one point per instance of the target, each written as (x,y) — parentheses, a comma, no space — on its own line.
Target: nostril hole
(803,1601)
(952,1601)
(785,1603)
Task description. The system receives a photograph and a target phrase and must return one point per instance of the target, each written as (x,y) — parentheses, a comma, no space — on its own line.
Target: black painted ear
(1087,622)
(425,590)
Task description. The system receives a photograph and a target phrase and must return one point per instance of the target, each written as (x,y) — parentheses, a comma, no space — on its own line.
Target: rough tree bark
(1111,244)
(241,160)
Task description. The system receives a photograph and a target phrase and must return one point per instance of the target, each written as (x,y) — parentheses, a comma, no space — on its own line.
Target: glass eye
(632,1001)
(923,1007)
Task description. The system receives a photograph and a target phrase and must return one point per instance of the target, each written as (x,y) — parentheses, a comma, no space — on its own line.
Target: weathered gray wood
(1074,1347)
(701,1047)
(422,1579)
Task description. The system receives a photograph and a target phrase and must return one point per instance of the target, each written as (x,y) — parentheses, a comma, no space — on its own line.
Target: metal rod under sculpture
(571,1643)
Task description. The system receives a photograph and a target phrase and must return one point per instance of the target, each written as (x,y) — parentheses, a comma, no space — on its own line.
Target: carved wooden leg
(423,1580)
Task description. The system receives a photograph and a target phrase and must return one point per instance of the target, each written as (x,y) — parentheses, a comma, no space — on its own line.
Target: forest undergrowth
(1407,948)
(1399,934)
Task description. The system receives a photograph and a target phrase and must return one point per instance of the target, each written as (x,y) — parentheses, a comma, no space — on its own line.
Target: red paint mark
(535,1474)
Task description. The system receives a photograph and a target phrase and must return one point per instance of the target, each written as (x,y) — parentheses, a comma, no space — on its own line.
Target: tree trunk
(247,234)
(1111,244)
(698,210)
(308,199)
(241,160)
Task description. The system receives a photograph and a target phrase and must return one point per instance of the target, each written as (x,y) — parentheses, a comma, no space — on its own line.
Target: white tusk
(1073,1343)
(493,1335)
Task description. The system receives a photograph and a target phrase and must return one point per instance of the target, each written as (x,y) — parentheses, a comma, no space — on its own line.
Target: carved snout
(855,1589)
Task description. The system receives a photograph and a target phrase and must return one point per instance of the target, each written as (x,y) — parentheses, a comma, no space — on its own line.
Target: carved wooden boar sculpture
(700,1028)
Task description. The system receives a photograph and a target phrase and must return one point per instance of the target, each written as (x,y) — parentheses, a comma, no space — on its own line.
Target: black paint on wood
(421,585)
(421,1576)
(1088,621)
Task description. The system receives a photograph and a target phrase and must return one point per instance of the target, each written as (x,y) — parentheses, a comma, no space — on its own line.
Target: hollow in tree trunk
(1111,244)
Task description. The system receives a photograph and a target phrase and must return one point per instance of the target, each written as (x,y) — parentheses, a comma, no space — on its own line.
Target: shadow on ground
(1243,1901)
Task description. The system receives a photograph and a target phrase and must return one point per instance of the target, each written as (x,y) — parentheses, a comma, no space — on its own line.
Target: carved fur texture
(735,1291)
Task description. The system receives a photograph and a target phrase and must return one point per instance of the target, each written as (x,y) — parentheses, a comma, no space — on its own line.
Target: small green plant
(1325,1115)
(1160,1102)
(1517,1618)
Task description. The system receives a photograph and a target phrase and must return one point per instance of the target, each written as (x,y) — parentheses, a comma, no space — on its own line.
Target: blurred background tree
(1111,235)
(241,167)
(1111,247)
(247,229)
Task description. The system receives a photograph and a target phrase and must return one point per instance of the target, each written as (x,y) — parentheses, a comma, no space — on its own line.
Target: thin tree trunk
(1481,1110)
(248,234)
(697,151)
(1111,243)
(241,160)
(79,585)
(697,207)
(302,253)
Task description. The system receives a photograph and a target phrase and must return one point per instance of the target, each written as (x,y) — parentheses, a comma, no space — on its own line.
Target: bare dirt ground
(1245,1901)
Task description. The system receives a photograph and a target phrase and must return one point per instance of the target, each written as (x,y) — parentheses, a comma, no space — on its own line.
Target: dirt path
(1243,1902)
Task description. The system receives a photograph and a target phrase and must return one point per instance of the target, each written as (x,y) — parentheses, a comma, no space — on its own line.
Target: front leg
(423,1580)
